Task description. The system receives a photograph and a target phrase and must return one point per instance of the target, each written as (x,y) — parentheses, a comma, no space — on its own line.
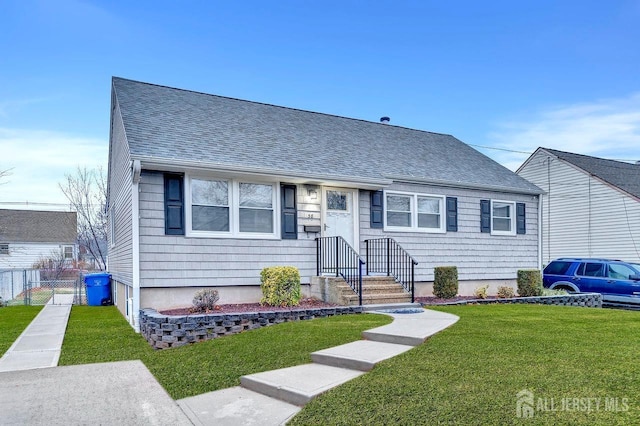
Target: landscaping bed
(309,303)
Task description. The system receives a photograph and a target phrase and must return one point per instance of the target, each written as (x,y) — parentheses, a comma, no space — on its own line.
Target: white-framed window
(503,217)
(4,248)
(411,212)
(67,251)
(231,208)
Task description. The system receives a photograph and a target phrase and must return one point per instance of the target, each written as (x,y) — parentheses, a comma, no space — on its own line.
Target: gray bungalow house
(591,205)
(205,191)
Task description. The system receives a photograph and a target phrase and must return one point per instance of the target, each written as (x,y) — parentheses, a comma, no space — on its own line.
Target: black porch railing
(336,257)
(385,255)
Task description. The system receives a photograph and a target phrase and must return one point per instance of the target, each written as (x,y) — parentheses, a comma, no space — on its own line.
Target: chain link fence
(25,287)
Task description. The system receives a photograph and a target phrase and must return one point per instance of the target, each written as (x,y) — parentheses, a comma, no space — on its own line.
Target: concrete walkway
(127,393)
(39,344)
(273,397)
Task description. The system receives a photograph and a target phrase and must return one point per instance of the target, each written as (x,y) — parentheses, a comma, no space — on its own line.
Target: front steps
(375,290)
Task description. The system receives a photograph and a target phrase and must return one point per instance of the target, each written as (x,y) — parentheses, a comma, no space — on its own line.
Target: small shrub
(205,300)
(548,292)
(505,292)
(445,282)
(481,292)
(280,286)
(529,282)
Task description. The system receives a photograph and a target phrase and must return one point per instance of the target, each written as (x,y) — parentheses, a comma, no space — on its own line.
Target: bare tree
(87,195)
(4,174)
(53,268)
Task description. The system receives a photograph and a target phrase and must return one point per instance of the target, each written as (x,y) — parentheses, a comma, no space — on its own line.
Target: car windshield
(635,266)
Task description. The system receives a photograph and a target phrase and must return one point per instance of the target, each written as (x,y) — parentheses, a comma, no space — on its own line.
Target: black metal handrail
(385,255)
(335,256)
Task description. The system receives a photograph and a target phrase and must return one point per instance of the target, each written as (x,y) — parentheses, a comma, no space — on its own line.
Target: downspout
(540,208)
(136,169)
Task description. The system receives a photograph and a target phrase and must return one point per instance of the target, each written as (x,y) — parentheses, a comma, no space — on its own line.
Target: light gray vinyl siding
(120,260)
(478,256)
(582,216)
(180,261)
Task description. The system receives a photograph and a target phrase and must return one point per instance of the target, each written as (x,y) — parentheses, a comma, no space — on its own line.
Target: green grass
(471,372)
(13,321)
(101,334)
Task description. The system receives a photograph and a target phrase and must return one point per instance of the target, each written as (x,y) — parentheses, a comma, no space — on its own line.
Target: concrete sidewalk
(113,393)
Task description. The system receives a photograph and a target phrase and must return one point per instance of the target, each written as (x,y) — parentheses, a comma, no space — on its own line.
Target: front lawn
(101,334)
(13,321)
(580,365)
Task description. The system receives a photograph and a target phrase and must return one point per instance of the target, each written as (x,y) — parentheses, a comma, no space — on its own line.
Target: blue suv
(617,281)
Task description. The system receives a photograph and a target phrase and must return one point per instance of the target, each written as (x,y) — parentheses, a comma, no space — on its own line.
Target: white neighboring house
(591,207)
(26,236)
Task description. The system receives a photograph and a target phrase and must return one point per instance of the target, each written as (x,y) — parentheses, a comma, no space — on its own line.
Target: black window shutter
(173,204)
(376,208)
(485,215)
(521,222)
(452,214)
(289,212)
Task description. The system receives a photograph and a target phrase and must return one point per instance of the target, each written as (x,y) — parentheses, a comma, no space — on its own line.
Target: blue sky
(502,74)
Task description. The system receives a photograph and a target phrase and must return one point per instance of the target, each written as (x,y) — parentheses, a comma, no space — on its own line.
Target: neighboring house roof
(625,176)
(35,226)
(184,128)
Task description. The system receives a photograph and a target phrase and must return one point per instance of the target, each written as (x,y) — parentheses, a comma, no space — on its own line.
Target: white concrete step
(411,328)
(300,384)
(362,355)
(236,406)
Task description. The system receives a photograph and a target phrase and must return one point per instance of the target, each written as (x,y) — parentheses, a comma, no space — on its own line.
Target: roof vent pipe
(384,120)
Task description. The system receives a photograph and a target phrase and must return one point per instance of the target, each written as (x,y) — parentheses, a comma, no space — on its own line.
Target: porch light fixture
(312,193)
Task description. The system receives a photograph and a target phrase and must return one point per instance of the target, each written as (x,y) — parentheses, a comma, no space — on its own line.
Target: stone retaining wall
(169,331)
(589,300)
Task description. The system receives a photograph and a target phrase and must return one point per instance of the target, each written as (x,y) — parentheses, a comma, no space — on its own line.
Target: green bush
(548,292)
(445,282)
(481,292)
(205,300)
(529,282)
(280,286)
(505,292)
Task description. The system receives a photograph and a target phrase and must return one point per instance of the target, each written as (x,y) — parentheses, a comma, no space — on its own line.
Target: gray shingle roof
(34,226)
(623,175)
(179,125)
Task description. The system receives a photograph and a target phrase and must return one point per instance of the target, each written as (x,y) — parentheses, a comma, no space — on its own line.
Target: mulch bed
(309,303)
(252,307)
(437,301)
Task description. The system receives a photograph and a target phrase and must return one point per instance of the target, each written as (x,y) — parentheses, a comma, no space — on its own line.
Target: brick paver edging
(588,300)
(170,331)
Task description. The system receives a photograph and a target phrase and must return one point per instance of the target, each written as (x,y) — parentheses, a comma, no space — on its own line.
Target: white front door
(339,209)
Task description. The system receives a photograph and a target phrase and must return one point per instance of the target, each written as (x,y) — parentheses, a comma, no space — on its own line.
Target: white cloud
(39,160)
(608,128)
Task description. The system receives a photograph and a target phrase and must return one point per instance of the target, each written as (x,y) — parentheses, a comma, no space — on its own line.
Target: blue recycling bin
(98,288)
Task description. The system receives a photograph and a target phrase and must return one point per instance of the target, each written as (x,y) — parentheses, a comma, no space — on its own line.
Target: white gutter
(136,169)
(160,164)
(465,185)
